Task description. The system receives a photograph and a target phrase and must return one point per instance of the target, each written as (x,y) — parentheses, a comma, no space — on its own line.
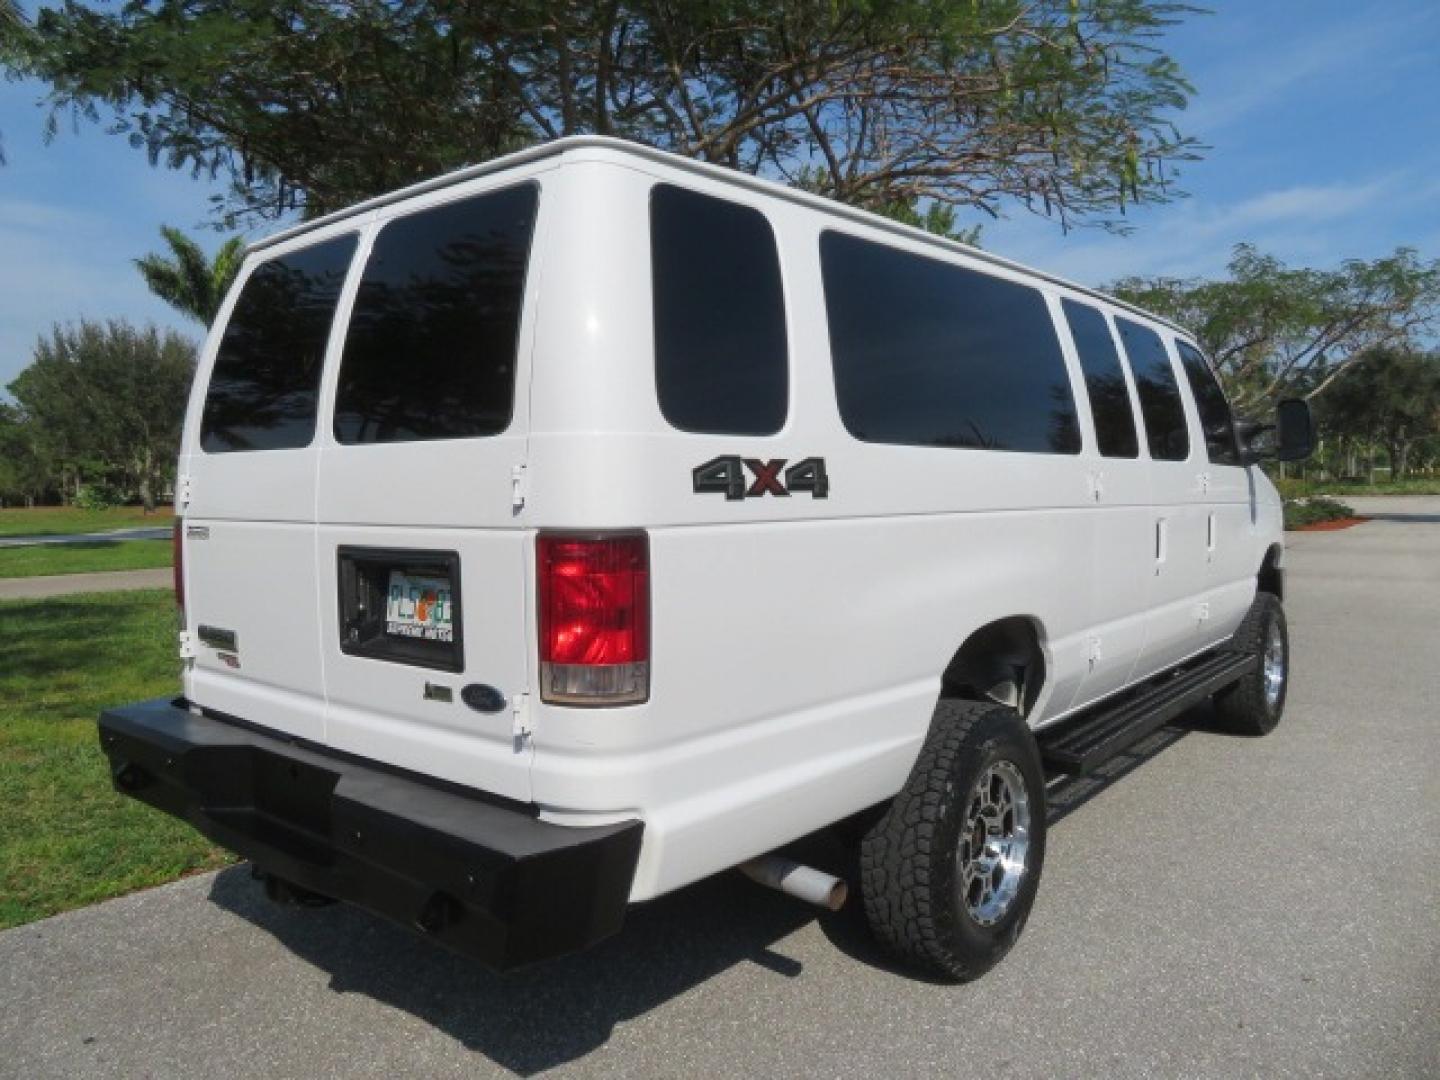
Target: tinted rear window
(1104,381)
(720,353)
(430,353)
(1210,403)
(1165,428)
(931,354)
(266,379)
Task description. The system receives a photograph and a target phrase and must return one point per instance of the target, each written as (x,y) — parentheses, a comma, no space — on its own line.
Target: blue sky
(1322,117)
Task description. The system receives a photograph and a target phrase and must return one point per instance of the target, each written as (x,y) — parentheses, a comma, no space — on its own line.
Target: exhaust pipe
(802,882)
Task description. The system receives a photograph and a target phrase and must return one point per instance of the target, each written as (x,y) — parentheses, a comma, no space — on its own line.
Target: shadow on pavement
(554,1013)
(1410,519)
(560,1011)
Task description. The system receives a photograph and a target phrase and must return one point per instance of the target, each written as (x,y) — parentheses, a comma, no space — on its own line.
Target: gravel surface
(1213,906)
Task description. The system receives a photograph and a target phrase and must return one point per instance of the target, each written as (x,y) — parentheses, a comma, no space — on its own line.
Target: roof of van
(771,188)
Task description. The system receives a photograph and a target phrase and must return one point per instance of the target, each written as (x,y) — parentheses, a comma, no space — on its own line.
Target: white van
(564,530)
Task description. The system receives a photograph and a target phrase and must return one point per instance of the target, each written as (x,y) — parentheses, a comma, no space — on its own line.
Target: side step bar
(1079,746)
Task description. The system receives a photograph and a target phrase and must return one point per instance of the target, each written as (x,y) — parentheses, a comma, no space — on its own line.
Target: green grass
(1292,489)
(66,838)
(83,558)
(57,520)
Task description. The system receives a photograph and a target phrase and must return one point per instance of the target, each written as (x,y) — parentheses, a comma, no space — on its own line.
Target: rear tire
(1254,704)
(950,872)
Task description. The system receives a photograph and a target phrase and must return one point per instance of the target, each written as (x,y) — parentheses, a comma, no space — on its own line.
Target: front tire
(1254,704)
(950,872)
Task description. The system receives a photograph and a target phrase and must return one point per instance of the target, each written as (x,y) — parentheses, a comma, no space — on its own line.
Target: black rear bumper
(490,881)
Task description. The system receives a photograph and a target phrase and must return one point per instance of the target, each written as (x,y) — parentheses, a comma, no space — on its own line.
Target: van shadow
(1405,519)
(558,1012)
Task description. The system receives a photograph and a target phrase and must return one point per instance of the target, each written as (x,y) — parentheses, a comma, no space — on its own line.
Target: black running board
(1080,745)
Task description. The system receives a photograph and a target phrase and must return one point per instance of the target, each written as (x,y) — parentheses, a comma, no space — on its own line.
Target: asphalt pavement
(1212,906)
(112,535)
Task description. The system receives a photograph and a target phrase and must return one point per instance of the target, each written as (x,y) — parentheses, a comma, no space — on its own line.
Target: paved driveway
(1217,906)
(87,538)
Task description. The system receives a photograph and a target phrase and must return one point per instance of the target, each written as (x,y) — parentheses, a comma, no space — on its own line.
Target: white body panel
(797,643)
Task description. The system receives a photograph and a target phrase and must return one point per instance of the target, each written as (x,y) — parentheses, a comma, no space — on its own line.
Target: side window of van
(1165,428)
(1104,381)
(721,361)
(927,353)
(1210,402)
(266,379)
(430,353)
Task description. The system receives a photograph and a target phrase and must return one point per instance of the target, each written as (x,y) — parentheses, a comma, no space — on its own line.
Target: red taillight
(177,561)
(594,619)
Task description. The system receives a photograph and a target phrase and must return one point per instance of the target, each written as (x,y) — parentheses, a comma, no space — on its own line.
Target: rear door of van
(420,558)
(247,490)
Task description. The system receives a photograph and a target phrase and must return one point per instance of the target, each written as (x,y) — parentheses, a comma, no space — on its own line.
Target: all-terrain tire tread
(1241,707)
(895,857)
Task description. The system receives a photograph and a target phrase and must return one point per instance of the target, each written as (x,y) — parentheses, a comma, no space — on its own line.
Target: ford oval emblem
(483,698)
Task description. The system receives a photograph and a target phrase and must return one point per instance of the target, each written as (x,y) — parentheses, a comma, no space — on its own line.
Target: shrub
(98,497)
(1313,510)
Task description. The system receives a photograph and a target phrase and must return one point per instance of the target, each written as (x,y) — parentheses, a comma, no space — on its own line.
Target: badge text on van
(725,475)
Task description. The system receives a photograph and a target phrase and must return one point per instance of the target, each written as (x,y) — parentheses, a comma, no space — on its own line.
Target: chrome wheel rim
(1273,666)
(991,859)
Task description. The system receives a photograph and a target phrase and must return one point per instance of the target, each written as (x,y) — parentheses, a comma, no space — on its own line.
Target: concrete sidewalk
(36,588)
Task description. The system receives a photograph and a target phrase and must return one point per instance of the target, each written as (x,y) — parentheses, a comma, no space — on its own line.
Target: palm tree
(185,279)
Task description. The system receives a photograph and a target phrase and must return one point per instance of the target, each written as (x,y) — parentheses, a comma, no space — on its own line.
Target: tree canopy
(102,399)
(1391,396)
(12,26)
(1064,105)
(188,281)
(1274,330)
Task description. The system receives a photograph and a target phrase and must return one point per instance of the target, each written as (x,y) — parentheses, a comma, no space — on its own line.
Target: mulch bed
(1331,526)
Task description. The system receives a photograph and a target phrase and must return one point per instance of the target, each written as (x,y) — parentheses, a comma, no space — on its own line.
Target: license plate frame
(367,576)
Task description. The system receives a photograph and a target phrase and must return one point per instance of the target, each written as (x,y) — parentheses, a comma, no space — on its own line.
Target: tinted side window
(720,352)
(266,379)
(1165,428)
(1210,402)
(431,349)
(931,354)
(1104,381)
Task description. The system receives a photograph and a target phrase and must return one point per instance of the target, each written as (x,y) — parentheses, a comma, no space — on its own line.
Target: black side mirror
(1296,429)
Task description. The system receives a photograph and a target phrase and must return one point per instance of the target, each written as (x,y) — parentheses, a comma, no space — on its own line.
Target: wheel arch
(1003,661)
(1271,578)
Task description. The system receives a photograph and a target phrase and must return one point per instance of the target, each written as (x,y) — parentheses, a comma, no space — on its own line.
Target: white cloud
(1267,61)
(1316,224)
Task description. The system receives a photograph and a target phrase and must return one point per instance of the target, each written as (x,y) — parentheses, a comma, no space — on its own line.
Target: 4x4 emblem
(726,475)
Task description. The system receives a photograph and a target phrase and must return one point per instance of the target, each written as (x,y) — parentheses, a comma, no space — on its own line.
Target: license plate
(419,607)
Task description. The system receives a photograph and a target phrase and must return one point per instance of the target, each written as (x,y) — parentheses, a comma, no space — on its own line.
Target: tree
(12,27)
(186,280)
(1274,330)
(1390,395)
(109,393)
(25,473)
(1064,105)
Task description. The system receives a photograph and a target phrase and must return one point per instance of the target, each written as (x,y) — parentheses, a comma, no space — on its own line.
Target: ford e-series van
(569,528)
